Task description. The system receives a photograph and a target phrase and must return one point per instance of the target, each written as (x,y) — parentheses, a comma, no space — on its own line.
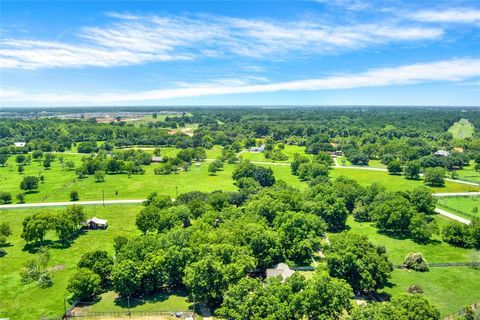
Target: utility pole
(176,188)
(128,306)
(64,308)
(103,197)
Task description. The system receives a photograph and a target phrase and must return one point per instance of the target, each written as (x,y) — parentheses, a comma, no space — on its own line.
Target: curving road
(452,216)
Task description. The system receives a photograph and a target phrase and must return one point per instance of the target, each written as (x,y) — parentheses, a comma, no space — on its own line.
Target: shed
(282,270)
(20,144)
(442,153)
(96,223)
(157,159)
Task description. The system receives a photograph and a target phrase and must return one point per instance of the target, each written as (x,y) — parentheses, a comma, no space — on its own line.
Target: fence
(445,264)
(181,315)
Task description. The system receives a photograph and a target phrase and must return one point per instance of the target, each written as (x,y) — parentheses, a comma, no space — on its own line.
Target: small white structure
(281,270)
(442,153)
(157,159)
(96,223)
(258,149)
(20,144)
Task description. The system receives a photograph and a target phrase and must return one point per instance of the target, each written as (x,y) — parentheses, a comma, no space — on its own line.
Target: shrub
(20,197)
(416,261)
(5,197)
(45,280)
(74,196)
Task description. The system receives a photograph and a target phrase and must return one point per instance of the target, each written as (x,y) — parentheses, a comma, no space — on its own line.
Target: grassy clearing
(469,173)
(436,251)
(450,289)
(109,301)
(462,129)
(59,183)
(462,205)
(289,151)
(19,301)
(394,183)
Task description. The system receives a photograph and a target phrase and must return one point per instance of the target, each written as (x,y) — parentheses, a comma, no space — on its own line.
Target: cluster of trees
(215,244)
(129,161)
(65,225)
(245,169)
(402,307)
(5,232)
(462,235)
(321,297)
(406,214)
(316,170)
(182,160)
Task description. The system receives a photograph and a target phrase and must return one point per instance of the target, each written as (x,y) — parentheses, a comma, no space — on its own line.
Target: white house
(20,144)
(96,223)
(281,270)
(442,153)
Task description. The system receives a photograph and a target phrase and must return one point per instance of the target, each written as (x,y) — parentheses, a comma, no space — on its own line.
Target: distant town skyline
(343,52)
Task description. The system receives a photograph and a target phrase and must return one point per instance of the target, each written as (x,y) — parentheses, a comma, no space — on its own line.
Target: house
(281,270)
(157,159)
(258,149)
(442,153)
(96,223)
(20,144)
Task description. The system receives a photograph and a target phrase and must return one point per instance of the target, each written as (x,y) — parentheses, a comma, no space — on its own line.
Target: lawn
(450,288)
(59,183)
(19,301)
(109,301)
(395,183)
(462,129)
(435,252)
(464,206)
(469,173)
(289,151)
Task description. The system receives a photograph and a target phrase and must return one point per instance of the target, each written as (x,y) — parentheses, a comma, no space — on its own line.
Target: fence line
(183,314)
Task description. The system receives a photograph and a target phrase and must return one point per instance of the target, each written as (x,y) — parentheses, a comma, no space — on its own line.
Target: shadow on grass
(152,298)
(32,247)
(400,236)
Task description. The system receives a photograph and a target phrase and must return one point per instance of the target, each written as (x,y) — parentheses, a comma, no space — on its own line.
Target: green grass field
(19,301)
(289,151)
(450,289)
(462,129)
(59,183)
(435,252)
(462,205)
(469,173)
(394,183)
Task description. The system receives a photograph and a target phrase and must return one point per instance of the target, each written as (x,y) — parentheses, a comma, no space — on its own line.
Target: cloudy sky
(335,52)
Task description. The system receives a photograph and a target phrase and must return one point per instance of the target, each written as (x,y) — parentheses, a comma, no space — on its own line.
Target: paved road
(136,201)
(456,194)
(452,216)
(68,203)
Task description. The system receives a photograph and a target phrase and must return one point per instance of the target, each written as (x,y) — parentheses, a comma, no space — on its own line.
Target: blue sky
(336,52)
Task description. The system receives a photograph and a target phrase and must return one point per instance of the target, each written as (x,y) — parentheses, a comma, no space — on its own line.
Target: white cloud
(131,40)
(459,15)
(448,70)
